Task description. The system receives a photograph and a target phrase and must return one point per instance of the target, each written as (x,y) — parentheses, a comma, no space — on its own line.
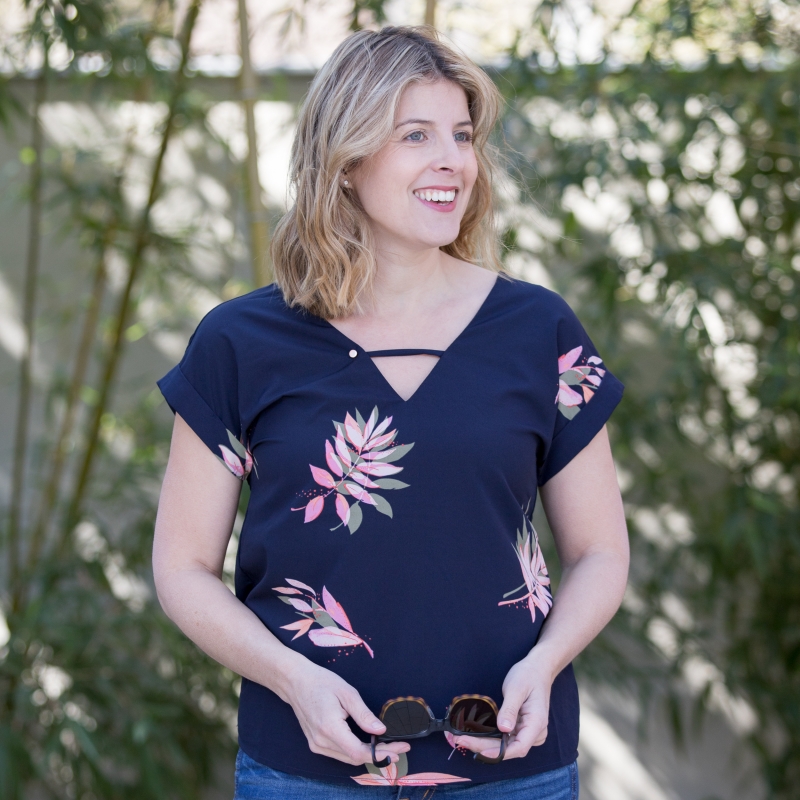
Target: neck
(407,279)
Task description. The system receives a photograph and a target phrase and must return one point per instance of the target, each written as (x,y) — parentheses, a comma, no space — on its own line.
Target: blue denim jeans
(255,781)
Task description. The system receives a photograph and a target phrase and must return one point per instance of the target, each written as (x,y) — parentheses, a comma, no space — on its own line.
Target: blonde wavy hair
(322,250)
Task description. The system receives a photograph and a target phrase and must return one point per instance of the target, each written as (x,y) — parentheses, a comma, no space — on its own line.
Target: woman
(394,401)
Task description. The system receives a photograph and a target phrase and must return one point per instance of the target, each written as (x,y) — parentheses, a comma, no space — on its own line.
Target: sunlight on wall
(616,773)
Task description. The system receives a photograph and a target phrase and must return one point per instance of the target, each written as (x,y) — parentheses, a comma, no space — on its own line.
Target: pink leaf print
(284,590)
(342,451)
(429,779)
(568,396)
(353,431)
(342,509)
(585,378)
(333,462)
(358,477)
(232,461)
(369,427)
(389,777)
(380,441)
(359,493)
(352,469)
(300,585)
(378,454)
(377,432)
(248,462)
(568,359)
(335,628)
(301,626)
(381,470)
(336,637)
(534,572)
(322,477)
(335,610)
(314,508)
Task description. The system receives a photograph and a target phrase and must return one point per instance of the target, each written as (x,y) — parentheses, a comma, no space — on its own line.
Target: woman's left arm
(584,509)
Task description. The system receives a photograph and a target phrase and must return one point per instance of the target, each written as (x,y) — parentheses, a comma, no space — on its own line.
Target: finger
(526,737)
(490,747)
(509,711)
(353,704)
(343,745)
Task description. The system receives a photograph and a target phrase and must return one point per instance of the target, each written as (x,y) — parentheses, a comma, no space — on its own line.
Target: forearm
(200,604)
(588,596)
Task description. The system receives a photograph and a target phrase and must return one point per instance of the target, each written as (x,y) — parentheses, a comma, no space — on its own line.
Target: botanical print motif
(534,571)
(397,775)
(359,457)
(334,629)
(586,377)
(239,460)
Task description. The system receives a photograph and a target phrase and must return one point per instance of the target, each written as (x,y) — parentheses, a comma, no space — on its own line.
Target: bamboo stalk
(86,341)
(50,492)
(141,237)
(259,231)
(430,13)
(29,322)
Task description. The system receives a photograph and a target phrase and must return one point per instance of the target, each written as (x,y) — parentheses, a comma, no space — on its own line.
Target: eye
(416,136)
(462,137)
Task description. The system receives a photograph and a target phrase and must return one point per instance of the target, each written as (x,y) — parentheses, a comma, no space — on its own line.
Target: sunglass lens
(406,718)
(473,715)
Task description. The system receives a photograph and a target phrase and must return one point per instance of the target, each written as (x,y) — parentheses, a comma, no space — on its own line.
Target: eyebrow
(430,122)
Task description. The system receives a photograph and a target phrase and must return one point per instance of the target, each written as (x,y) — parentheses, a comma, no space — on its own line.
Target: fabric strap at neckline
(407,352)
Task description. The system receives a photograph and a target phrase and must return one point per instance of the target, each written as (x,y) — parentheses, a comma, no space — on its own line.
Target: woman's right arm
(196,511)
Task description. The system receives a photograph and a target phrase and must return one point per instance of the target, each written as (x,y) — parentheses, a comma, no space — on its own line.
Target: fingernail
(376,726)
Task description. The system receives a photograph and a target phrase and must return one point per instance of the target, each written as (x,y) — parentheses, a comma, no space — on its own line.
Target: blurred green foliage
(661,195)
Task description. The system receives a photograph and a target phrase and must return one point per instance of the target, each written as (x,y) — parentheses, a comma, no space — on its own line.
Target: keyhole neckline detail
(440,354)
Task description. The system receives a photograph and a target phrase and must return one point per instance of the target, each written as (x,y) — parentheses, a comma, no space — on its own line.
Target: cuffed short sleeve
(586,395)
(203,389)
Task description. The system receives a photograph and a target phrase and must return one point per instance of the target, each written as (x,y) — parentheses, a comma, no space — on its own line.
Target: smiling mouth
(439,196)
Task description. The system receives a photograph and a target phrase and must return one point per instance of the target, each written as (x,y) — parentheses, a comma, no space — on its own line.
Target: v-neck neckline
(361,352)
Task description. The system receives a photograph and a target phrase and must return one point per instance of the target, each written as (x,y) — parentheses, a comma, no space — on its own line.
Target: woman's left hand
(524,713)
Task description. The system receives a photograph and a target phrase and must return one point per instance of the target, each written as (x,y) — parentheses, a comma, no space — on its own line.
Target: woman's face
(415,190)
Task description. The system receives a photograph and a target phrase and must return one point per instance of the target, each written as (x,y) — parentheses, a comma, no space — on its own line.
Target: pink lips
(439,206)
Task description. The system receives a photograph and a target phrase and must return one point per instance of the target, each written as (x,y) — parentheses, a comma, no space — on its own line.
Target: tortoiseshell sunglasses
(412,718)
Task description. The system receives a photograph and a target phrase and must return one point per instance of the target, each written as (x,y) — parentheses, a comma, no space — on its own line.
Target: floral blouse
(387,540)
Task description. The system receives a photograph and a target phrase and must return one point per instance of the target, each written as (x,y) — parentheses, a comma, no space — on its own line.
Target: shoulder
(260,314)
(522,297)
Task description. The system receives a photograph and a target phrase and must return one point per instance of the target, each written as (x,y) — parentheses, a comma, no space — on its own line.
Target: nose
(448,157)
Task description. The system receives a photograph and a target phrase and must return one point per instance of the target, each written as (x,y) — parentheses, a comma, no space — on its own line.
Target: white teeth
(436,195)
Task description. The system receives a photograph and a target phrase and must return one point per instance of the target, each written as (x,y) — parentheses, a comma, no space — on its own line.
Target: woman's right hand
(322,702)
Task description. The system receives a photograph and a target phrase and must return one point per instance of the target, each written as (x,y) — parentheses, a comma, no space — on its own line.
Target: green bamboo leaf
(569,411)
(356,517)
(237,446)
(391,483)
(360,420)
(514,591)
(402,766)
(382,505)
(325,619)
(571,378)
(396,452)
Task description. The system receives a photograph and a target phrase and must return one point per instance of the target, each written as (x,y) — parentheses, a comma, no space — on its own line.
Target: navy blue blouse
(387,540)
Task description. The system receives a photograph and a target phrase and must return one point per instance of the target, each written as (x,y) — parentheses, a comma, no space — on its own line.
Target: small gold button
(353,353)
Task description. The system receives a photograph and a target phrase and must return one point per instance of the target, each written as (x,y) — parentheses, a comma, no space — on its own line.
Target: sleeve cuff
(185,400)
(583,428)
